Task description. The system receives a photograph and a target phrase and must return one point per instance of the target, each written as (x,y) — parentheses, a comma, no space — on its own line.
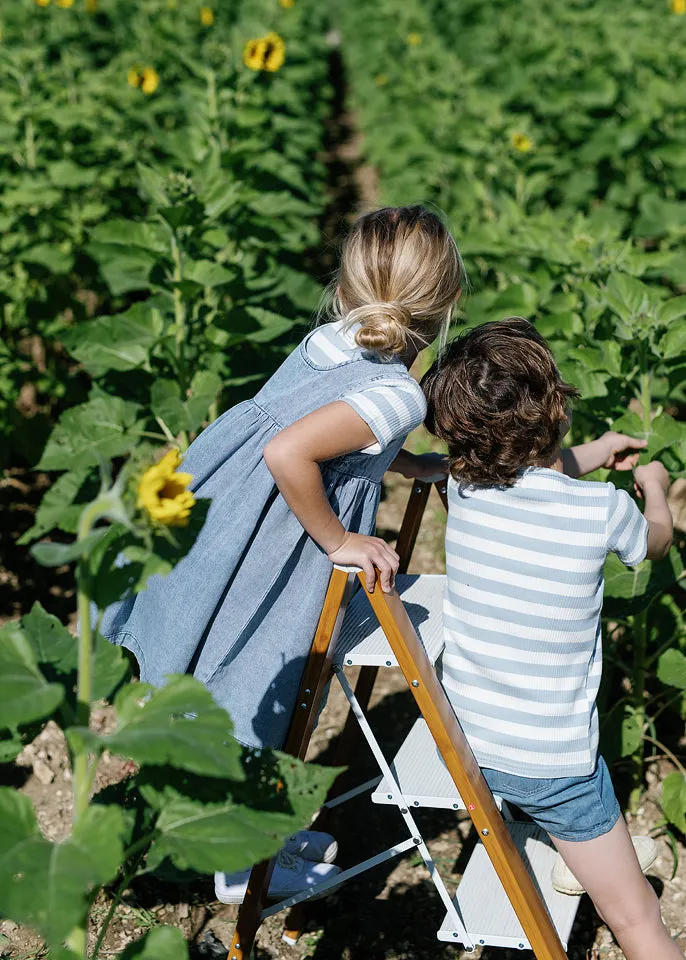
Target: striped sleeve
(391,409)
(627,528)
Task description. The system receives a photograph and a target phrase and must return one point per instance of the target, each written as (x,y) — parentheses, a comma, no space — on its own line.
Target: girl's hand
(619,447)
(370,553)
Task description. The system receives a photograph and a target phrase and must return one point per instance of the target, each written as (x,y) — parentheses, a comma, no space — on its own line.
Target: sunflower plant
(176,739)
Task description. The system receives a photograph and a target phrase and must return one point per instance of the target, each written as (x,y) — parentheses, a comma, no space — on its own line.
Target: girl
(294,477)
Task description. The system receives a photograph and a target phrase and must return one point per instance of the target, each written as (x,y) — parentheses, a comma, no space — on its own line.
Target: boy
(525,550)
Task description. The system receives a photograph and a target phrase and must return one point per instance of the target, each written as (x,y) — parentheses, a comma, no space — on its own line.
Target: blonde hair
(399,278)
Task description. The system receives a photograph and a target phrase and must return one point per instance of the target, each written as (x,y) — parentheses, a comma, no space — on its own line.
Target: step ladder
(505,897)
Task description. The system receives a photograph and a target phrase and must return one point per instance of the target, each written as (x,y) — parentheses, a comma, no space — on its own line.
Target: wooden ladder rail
(440,718)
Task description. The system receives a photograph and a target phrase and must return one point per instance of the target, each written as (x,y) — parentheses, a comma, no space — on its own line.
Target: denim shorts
(568,808)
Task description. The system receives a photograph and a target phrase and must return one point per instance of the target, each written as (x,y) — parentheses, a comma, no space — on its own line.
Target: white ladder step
(421,774)
(483,905)
(362,641)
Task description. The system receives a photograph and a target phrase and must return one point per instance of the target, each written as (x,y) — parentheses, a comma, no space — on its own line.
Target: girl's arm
(612,451)
(293,457)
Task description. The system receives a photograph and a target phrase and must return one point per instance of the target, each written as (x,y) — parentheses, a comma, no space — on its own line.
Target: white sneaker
(564,881)
(291,875)
(312,845)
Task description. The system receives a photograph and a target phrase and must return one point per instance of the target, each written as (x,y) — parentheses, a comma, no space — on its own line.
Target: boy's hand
(651,474)
(619,450)
(427,467)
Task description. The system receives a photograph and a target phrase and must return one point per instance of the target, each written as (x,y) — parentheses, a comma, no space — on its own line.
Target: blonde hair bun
(384,327)
(399,279)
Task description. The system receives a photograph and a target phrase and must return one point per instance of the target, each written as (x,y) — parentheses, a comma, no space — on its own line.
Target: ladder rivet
(349,662)
(389,796)
(303,706)
(388,663)
(521,946)
(482,941)
(415,683)
(456,806)
(484,832)
(418,489)
(455,933)
(237,946)
(308,690)
(403,810)
(417,839)
(416,803)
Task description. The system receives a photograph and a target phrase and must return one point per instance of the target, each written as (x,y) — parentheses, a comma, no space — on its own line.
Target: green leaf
(671,669)
(25,694)
(218,836)
(674,799)
(49,256)
(124,269)
(51,641)
(90,433)
(207,273)
(179,724)
(119,342)
(53,644)
(58,509)
(153,237)
(166,403)
(627,296)
(625,583)
(632,732)
(204,389)
(152,184)
(160,943)
(47,885)
(50,554)
(273,324)
(673,343)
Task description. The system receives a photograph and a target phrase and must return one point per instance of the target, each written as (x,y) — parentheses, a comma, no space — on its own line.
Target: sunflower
(206,16)
(150,80)
(163,493)
(265,53)
(287,4)
(134,77)
(679,7)
(521,142)
(64,3)
(414,39)
(41,3)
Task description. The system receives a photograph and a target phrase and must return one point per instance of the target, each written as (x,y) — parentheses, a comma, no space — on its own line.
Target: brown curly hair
(497,400)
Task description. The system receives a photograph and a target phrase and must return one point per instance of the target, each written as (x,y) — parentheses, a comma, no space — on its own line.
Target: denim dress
(240,611)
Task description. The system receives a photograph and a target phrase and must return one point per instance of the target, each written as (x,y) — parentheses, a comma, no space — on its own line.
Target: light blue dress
(240,611)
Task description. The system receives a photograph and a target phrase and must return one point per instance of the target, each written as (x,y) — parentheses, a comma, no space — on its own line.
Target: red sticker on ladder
(471,806)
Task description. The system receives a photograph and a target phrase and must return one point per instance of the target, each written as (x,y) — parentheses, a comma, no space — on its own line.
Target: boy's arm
(612,451)
(652,483)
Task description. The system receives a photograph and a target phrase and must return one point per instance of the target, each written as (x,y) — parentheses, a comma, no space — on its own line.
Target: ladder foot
(294,923)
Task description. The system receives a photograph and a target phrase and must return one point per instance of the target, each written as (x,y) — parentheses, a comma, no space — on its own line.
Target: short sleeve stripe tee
(391,409)
(524,593)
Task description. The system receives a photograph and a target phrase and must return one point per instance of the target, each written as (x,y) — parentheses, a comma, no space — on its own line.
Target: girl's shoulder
(331,344)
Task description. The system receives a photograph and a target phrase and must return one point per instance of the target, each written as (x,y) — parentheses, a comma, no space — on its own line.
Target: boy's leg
(608,869)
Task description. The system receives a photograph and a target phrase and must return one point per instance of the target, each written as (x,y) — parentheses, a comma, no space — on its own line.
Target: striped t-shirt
(391,408)
(524,591)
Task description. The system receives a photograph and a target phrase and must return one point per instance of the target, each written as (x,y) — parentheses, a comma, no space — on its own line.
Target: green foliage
(197,798)
(557,156)
(139,228)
